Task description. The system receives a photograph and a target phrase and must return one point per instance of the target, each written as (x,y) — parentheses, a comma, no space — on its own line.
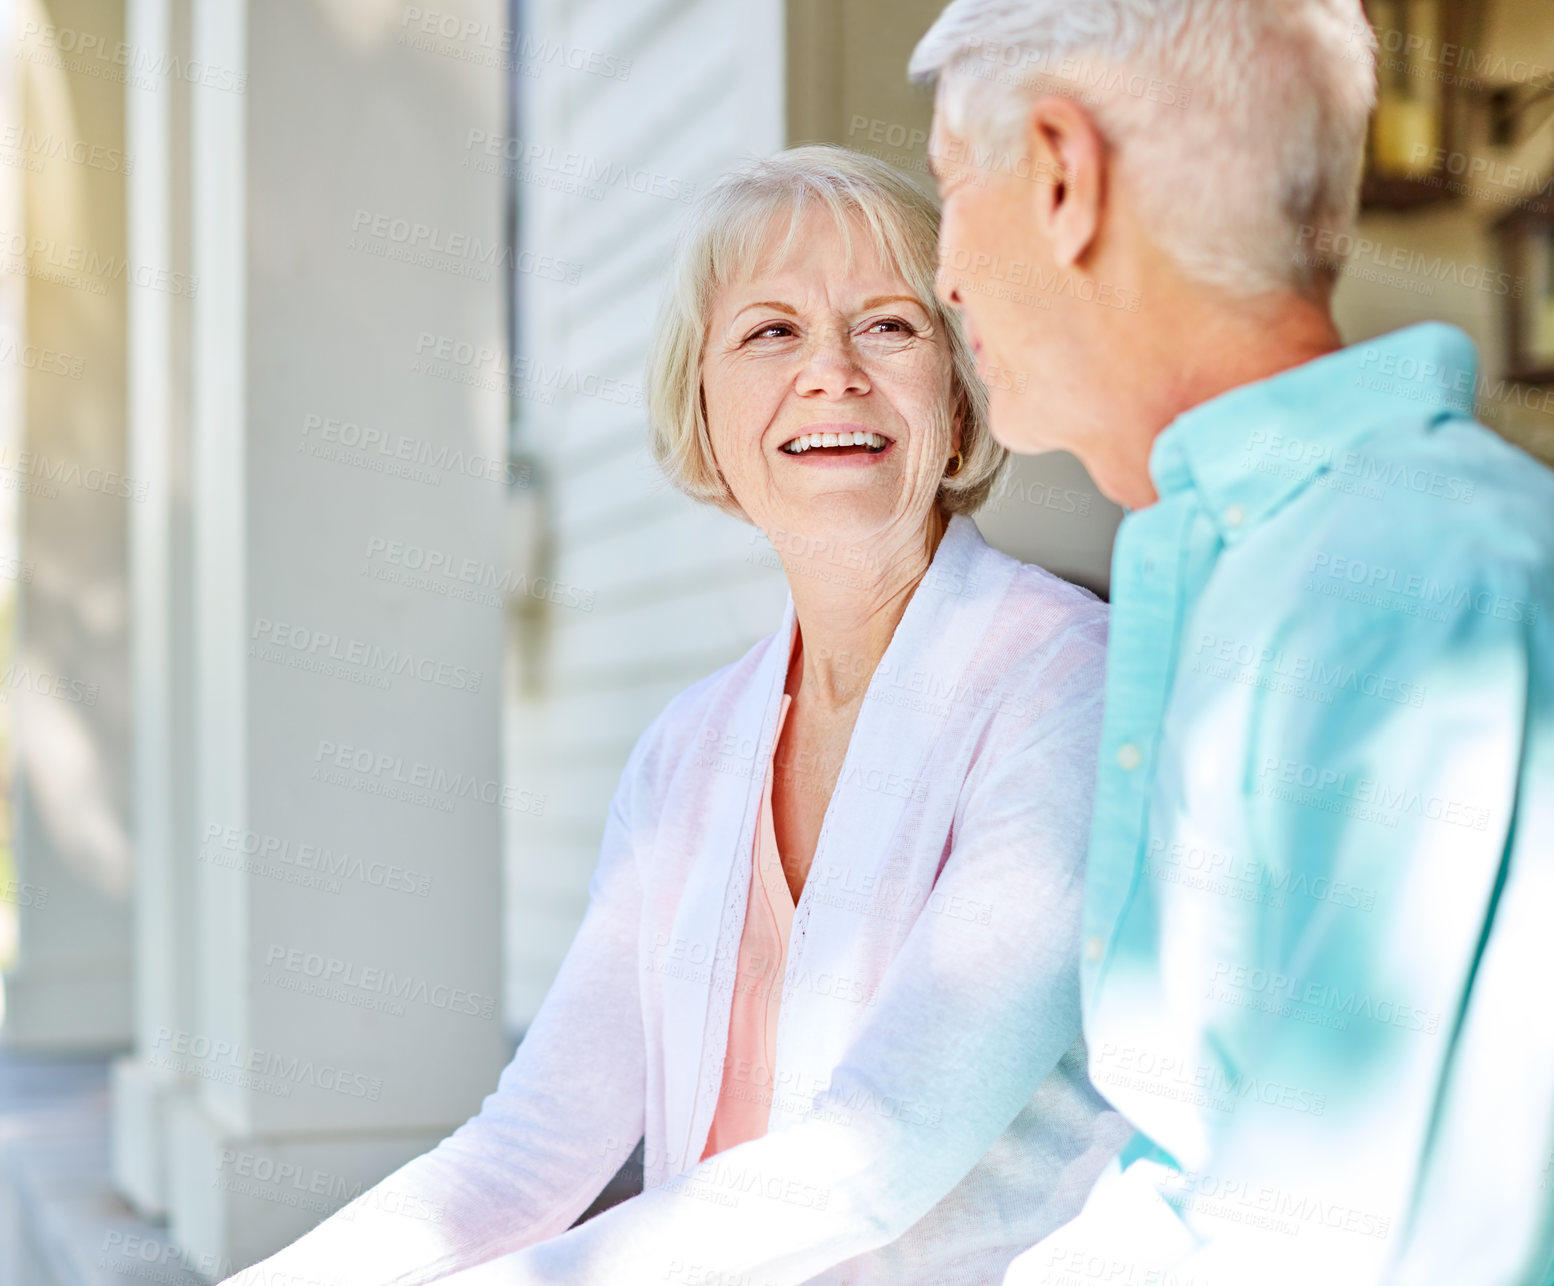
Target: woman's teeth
(809,440)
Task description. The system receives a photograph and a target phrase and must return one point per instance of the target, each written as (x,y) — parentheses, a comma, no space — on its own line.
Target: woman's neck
(848,600)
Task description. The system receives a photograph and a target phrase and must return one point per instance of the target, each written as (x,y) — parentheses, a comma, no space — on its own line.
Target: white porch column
(67,689)
(161,553)
(348,475)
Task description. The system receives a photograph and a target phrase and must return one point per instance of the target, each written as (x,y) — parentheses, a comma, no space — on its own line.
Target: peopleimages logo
(61,147)
(449,357)
(1386,799)
(1248,879)
(442,572)
(395,770)
(440,456)
(337,976)
(92,54)
(1148,1071)
(47,252)
(1239,1200)
(1343,250)
(1319,1003)
(1258,661)
(1015,64)
(470,40)
(1306,457)
(194,1054)
(428,246)
(46,361)
(533,161)
(267,849)
(1378,578)
(1448,62)
(306,648)
(56,471)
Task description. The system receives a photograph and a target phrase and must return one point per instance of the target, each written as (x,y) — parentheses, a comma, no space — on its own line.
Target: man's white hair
(1239,123)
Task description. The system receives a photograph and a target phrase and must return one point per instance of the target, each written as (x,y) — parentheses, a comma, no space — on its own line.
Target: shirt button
(1093,948)
(1128,756)
(1235,515)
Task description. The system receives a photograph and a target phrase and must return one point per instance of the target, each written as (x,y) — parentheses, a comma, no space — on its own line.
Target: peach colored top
(745,1100)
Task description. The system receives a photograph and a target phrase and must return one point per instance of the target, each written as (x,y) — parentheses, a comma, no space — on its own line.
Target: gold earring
(959,461)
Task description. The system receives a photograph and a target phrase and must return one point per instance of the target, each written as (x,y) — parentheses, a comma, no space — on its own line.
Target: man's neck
(1211,347)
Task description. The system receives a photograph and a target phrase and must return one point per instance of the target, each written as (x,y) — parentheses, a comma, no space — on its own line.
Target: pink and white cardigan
(932,1116)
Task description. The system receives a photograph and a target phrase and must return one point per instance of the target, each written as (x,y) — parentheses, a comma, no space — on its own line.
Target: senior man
(1319,921)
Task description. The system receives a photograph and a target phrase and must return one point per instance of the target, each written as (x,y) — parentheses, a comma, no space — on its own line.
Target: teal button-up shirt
(1318,967)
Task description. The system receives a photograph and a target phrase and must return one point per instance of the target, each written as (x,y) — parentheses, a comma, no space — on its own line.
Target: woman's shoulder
(678,729)
(1041,664)
(1040,650)
(1040,612)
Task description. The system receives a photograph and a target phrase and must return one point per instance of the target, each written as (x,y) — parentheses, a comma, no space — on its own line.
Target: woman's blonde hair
(723,241)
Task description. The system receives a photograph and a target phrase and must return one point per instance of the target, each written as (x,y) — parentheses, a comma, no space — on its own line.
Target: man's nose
(945,287)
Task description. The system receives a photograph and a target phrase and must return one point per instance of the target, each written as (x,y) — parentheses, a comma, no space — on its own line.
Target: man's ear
(1068,163)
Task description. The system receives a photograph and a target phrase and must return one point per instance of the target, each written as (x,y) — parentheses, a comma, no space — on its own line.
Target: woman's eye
(772,330)
(889,326)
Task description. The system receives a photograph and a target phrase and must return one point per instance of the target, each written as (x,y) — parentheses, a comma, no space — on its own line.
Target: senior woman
(829,962)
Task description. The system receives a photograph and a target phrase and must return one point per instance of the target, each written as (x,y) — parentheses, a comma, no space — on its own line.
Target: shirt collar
(1249,450)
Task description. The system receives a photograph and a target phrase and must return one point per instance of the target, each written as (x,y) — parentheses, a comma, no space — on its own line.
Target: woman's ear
(704,430)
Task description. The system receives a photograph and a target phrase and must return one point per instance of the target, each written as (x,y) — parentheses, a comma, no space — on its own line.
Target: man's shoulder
(1420,527)
(1454,484)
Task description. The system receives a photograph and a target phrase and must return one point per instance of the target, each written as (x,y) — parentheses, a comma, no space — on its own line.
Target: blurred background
(336,581)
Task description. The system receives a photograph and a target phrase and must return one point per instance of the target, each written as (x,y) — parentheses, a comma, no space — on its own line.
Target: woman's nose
(833,369)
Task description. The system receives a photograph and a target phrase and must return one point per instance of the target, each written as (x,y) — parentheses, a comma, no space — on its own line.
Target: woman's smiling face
(816,344)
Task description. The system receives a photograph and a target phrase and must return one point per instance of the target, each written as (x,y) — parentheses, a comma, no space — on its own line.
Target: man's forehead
(939,130)
(947,150)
